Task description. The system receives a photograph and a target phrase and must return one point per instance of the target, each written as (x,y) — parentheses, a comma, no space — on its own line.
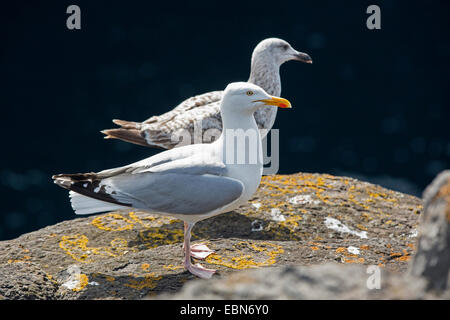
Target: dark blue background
(374,105)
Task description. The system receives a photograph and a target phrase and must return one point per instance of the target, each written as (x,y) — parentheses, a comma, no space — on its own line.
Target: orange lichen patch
(341,250)
(112,222)
(395,254)
(364,247)
(360,260)
(314,248)
(345,252)
(83,281)
(297,184)
(381,265)
(272,186)
(24,259)
(361,227)
(403,258)
(172,267)
(366,196)
(411,245)
(149,281)
(245,261)
(323,198)
(388,246)
(352,198)
(109,278)
(76,247)
(145,266)
(380,195)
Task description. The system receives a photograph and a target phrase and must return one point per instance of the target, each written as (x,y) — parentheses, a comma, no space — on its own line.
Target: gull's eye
(249,93)
(285,46)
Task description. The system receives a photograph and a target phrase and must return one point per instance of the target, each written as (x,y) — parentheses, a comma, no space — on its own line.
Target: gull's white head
(277,51)
(246,98)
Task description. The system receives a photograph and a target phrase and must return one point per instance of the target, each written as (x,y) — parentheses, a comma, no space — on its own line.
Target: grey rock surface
(328,281)
(293,220)
(427,277)
(432,260)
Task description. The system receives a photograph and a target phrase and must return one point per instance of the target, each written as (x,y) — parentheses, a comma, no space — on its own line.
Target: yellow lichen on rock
(155,237)
(24,259)
(245,261)
(359,260)
(148,220)
(76,247)
(83,281)
(148,282)
(112,222)
(172,267)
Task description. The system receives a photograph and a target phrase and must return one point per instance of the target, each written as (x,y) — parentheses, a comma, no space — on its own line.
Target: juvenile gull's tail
(129,132)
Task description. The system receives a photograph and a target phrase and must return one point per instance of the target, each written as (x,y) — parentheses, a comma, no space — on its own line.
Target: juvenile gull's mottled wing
(201,100)
(159,131)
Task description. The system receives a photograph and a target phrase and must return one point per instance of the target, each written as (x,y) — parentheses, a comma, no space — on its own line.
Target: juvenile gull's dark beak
(303,57)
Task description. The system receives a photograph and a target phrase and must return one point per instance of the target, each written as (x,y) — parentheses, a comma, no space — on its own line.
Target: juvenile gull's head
(277,51)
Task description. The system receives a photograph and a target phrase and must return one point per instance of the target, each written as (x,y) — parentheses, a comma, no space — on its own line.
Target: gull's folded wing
(183,186)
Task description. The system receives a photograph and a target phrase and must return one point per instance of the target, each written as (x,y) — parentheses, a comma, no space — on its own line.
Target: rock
(432,260)
(300,219)
(427,279)
(25,280)
(327,281)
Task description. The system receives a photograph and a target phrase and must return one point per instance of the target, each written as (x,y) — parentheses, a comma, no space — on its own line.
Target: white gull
(191,183)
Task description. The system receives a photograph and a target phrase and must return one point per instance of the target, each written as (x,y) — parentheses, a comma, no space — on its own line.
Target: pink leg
(197,269)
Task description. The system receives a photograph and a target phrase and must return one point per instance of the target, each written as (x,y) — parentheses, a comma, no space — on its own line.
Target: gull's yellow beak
(276,101)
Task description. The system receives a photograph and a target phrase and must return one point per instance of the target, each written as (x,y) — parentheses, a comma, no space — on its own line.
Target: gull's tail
(85,205)
(87,195)
(129,132)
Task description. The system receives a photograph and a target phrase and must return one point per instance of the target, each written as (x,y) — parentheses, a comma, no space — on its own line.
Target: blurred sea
(374,105)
